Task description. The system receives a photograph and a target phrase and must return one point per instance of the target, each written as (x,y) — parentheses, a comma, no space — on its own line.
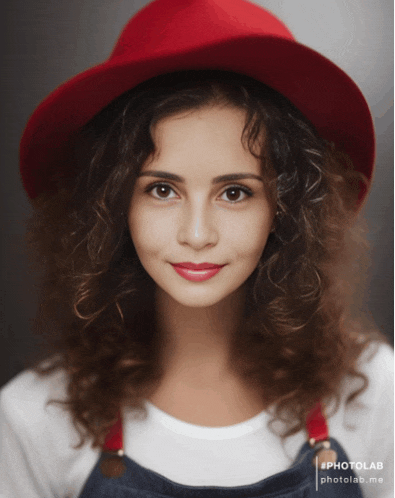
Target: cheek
(148,232)
(249,237)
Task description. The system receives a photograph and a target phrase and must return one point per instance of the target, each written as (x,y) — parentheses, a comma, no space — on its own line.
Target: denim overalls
(301,480)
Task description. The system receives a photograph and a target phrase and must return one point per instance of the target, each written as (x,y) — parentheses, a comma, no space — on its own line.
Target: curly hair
(297,341)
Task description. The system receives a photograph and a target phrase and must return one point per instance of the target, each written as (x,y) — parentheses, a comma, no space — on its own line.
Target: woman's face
(200,213)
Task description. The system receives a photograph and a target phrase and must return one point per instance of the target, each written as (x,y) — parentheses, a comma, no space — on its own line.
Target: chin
(198,303)
(199,298)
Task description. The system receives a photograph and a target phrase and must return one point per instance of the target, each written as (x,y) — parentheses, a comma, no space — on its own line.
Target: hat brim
(323,92)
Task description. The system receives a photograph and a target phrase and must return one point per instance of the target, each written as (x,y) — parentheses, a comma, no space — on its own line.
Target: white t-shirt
(38,459)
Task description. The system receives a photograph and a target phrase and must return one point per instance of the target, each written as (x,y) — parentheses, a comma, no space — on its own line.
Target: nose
(197,227)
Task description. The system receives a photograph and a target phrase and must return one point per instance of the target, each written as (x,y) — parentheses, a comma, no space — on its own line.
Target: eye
(236,194)
(162,191)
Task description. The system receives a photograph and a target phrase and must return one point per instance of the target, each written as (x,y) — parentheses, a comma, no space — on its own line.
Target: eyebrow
(218,179)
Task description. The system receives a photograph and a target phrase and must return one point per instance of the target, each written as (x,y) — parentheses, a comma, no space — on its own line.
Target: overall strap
(316,426)
(114,438)
(318,434)
(112,464)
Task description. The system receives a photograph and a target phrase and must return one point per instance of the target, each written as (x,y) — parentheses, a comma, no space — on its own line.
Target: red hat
(174,35)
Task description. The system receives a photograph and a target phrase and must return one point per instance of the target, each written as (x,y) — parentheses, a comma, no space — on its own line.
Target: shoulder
(25,402)
(377,364)
(29,392)
(379,357)
(39,437)
(363,411)
(364,424)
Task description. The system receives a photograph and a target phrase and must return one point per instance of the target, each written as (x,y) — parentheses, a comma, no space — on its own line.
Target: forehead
(207,140)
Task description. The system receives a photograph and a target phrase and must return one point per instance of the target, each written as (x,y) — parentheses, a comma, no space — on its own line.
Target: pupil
(163,191)
(233,194)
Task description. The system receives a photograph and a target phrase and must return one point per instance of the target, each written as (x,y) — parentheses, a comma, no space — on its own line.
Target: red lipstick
(197,272)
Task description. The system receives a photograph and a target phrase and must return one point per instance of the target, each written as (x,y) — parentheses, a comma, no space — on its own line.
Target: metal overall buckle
(323,454)
(112,464)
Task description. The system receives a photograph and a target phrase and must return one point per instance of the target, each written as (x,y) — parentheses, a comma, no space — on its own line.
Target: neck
(199,384)
(198,336)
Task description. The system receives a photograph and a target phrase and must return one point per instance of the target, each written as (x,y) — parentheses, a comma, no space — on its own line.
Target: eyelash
(248,192)
(153,186)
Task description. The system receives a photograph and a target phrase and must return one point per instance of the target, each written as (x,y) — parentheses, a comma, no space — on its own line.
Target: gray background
(45,42)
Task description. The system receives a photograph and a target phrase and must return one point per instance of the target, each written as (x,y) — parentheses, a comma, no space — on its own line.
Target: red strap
(316,425)
(114,438)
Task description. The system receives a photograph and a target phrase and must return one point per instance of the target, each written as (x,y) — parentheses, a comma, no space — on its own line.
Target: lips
(200,266)
(197,272)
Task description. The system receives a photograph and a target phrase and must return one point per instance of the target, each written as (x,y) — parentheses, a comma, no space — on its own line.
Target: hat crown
(164,26)
(178,35)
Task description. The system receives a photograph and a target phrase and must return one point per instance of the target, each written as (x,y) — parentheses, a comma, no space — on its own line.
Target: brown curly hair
(297,340)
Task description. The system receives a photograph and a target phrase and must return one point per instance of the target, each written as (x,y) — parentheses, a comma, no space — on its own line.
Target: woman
(192,225)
